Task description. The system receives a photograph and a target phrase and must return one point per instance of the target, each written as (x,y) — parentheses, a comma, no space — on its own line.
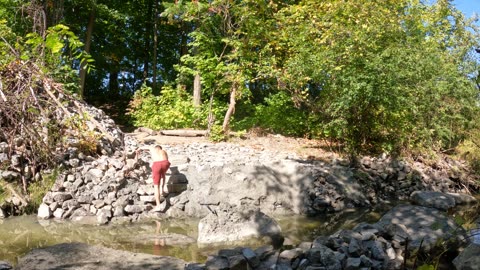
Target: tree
(379,76)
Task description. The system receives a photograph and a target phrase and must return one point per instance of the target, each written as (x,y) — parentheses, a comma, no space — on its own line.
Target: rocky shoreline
(208,179)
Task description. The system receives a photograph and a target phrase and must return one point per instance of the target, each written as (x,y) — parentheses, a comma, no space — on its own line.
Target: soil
(304,148)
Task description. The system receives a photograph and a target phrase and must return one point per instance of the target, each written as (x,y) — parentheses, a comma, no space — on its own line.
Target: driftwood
(184,132)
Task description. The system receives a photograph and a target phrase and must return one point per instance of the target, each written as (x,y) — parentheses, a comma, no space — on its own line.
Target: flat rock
(462,198)
(421,222)
(80,256)
(433,199)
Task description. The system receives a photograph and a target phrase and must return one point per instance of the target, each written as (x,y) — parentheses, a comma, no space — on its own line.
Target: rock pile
(382,245)
(112,185)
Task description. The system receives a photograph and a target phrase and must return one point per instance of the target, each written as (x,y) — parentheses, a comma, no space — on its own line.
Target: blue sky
(468,7)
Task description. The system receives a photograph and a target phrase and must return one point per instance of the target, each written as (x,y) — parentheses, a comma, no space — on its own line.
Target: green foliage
(391,76)
(387,76)
(469,150)
(38,189)
(171,110)
(55,54)
(426,267)
(217,134)
(278,115)
(4,194)
(87,139)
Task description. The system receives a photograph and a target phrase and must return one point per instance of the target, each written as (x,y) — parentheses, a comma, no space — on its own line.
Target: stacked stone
(16,167)
(376,180)
(107,189)
(364,247)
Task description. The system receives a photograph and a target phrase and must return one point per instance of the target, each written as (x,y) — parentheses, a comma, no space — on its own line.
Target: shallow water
(177,238)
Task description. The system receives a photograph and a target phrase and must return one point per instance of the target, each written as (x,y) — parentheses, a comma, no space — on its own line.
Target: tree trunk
(88,42)
(155,91)
(53,12)
(183,40)
(197,91)
(148,30)
(231,110)
(113,83)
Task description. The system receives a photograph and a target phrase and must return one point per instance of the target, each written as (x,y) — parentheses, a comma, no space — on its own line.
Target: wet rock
(264,252)
(251,257)
(354,248)
(217,263)
(421,223)
(433,199)
(195,266)
(323,256)
(237,262)
(469,258)
(353,263)
(83,257)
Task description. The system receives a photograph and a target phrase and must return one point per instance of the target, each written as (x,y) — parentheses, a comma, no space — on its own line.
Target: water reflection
(172,237)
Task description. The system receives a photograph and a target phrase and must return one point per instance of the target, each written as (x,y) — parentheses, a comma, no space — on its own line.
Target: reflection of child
(158,243)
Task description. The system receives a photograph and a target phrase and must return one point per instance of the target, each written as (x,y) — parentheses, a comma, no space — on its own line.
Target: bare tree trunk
(53,12)
(113,83)
(148,29)
(197,91)
(155,46)
(88,42)
(211,116)
(231,109)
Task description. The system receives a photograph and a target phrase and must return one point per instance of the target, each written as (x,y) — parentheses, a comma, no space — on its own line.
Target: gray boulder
(81,256)
(228,224)
(433,199)
(5,265)
(421,223)
(469,258)
(44,211)
(462,198)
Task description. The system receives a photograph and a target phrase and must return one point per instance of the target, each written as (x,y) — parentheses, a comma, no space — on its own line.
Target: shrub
(279,115)
(172,109)
(38,189)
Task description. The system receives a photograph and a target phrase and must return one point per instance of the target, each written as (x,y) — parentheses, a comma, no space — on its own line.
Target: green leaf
(54,43)
(426,267)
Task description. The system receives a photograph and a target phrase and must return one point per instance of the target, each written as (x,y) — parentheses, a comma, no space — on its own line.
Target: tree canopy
(391,76)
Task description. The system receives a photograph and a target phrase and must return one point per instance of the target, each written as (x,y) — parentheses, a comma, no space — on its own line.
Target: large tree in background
(369,75)
(225,46)
(379,75)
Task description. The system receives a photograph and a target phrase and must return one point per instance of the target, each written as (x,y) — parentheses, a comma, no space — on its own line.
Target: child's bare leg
(162,183)
(157,194)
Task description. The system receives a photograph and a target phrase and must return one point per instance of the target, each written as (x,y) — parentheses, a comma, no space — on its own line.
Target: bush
(172,109)
(279,115)
(38,189)
(469,150)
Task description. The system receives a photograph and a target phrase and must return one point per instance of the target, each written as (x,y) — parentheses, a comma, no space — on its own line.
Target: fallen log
(184,132)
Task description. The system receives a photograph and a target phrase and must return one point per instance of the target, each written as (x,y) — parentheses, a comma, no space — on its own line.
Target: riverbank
(267,178)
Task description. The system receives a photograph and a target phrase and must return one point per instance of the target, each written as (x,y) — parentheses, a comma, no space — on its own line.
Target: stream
(171,237)
(177,237)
